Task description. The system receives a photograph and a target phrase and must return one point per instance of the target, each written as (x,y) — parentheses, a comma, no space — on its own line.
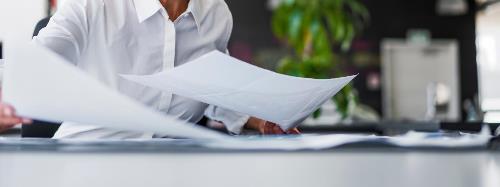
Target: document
(321,142)
(223,81)
(259,143)
(41,85)
(290,143)
(438,139)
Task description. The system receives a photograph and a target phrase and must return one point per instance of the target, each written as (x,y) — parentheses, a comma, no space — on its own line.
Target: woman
(106,38)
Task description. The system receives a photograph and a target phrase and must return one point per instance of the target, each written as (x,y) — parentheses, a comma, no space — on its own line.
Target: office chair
(40,129)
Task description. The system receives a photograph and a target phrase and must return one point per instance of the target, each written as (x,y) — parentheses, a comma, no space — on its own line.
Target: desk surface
(361,166)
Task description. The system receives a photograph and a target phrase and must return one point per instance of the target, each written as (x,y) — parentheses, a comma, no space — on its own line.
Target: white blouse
(106,38)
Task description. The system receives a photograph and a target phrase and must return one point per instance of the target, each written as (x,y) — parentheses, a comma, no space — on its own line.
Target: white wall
(18,19)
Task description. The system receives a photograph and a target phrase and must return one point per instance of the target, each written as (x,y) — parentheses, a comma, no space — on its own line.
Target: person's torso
(120,43)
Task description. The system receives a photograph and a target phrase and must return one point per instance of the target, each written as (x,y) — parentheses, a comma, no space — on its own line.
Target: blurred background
(417,60)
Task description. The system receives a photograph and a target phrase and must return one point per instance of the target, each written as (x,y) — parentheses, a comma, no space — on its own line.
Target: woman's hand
(268,128)
(8,118)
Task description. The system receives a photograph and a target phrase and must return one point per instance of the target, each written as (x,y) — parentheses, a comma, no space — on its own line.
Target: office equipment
(239,86)
(74,96)
(421,81)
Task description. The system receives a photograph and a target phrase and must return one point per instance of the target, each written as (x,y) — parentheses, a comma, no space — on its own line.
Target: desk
(175,166)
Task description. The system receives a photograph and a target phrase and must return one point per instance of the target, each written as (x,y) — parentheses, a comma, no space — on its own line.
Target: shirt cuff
(233,121)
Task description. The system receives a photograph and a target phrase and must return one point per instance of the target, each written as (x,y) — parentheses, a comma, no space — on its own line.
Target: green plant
(314,30)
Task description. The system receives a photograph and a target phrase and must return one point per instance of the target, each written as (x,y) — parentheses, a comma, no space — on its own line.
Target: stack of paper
(258,143)
(321,142)
(223,81)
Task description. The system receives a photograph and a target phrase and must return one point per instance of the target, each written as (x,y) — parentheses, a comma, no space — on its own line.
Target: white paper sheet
(320,142)
(421,139)
(279,143)
(218,79)
(289,143)
(41,85)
